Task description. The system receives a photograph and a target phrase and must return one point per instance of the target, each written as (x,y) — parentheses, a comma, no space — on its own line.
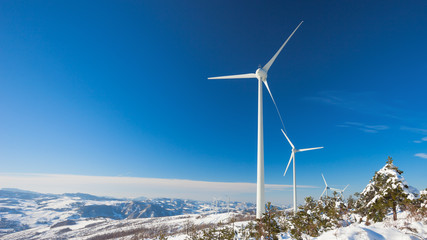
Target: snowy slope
(20,210)
(47,216)
(403,228)
(103,228)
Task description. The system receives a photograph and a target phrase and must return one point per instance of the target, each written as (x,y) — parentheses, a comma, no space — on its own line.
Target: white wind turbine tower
(294,150)
(261,75)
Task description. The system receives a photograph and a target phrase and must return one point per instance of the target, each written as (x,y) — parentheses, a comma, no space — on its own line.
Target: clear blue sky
(119,88)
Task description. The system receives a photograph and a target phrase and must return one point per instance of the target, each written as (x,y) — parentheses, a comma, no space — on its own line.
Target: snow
(40,211)
(402,229)
(361,233)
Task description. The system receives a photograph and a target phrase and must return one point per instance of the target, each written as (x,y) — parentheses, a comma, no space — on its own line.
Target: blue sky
(119,88)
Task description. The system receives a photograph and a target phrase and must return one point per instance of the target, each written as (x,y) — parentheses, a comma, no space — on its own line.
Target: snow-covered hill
(20,210)
(30,215)
(104,228)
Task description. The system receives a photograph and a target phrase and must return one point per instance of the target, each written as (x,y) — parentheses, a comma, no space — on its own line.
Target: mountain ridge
(22,209)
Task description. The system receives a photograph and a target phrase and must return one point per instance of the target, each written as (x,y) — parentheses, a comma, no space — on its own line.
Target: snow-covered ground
(24,209)
(404,228)
(38,216)
(34,215)
(103,228)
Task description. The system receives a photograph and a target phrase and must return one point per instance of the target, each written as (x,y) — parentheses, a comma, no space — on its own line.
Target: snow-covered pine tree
(269,222)
(386,190)
(418,207)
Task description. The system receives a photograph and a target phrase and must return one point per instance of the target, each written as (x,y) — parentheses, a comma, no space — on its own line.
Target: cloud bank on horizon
(132,187)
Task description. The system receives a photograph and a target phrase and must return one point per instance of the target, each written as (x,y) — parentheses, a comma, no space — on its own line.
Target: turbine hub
(261,74)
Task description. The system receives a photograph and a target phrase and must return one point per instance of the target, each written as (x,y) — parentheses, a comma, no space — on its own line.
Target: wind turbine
(340,191)
(294,150)
(326,187)
(261,75)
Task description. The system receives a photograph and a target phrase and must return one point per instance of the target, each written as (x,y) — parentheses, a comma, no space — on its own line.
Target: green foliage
(162,236)
(351,202)
(251,228)
(226,233)
(266,227)
(193,235)
(306,220)
(212,233)
(191,231)
(269,222)
(418,207)
(315,217)
(209,233)
(391,166)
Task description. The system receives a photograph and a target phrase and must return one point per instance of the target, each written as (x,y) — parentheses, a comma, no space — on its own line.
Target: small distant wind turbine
(294,150)
(261,75)
(340,191)
(326,187)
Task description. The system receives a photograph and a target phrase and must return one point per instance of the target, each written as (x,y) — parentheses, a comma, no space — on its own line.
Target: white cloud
(424,139)
(421,155)
(415,130)
(130,187)
(362,102)
(364,127)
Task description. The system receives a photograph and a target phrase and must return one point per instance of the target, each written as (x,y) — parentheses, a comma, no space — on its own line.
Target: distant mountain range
(20,210)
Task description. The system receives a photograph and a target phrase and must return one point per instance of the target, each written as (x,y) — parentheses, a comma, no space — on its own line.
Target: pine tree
(308,219)
(252,229)
(209,234)
(418,207)
(269,221)
(386,190)
(422,210)
(350,203)
(226,233)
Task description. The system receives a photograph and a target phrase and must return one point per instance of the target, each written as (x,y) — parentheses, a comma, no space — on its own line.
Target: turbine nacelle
(294,150)
(261,74)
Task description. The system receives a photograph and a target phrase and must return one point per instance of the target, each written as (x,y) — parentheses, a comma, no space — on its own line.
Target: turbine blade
(290,160)
(308,149)
(277,109)
(324,180)
(247,75)
(268,65)
(323,193)
(345,187)
(287,138)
